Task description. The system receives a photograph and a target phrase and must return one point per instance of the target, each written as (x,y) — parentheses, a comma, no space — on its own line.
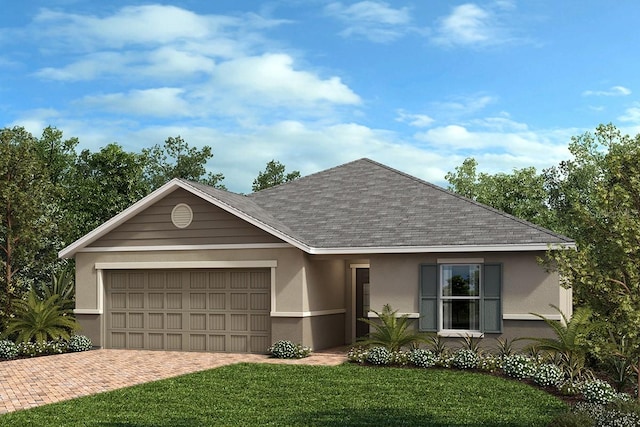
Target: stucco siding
(325,285)
(527,287)
(210,225)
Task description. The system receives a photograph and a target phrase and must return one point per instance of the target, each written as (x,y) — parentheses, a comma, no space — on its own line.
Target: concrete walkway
(26,383)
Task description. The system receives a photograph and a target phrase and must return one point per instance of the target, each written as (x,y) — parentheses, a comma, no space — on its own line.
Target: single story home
(194,268)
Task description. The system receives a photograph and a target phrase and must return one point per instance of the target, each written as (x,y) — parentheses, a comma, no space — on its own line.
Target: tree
(605,271)
(104,184)
(521,193)
(274,174)
(25,229)
(175,159)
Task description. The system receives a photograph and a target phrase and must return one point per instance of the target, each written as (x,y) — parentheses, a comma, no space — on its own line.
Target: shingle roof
(364,204)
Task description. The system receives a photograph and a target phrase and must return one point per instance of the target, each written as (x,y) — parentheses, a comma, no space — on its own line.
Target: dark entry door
(362,301)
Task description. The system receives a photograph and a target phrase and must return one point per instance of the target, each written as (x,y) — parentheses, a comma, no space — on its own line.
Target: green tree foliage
(104,184)
(521,193)
(25,228)
(274,174)
(605,271)
(175,159)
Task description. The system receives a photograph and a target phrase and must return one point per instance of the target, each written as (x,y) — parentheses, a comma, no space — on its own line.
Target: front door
(362,301)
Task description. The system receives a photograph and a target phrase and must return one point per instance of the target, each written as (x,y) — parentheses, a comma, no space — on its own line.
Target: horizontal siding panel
(211,225)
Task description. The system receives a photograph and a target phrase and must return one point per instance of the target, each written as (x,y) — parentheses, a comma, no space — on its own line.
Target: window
(461,297)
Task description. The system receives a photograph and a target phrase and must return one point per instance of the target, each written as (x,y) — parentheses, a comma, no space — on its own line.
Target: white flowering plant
(379,356)
(8,350)
(519,366)
(422,358)
(79,343)
(598,391)
(357,354)
(465,359)
(548,375)
(285,349)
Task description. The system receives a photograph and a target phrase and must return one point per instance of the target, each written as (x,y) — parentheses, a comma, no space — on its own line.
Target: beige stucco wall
(527,287)
(325,284)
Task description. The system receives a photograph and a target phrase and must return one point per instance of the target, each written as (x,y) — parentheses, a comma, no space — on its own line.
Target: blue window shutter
(429,297)
(492,298)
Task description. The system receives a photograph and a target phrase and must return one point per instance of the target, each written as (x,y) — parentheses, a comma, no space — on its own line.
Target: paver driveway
(26,383)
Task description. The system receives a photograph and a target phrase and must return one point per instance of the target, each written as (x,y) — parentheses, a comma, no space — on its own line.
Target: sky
(417,85)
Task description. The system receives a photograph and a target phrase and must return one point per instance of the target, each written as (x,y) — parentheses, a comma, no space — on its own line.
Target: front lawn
(298,395)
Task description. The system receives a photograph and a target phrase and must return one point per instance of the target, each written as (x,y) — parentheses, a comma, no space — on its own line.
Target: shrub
(41,348)
(465,359)
(8,350)
(548,375)
(379,356)
(399,358)
(79,343)
(285,349)
(489,363)
(391,331)
(569,388)
(40,320)
(422,358)
(612,415)
(519,366)
(598,391)
(357,354)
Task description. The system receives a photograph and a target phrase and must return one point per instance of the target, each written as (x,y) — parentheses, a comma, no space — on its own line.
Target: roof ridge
(475,202)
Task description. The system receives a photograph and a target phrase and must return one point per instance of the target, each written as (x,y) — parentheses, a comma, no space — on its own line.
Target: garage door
(194,310)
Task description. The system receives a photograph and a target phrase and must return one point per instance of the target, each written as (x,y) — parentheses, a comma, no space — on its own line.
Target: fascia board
(441,249)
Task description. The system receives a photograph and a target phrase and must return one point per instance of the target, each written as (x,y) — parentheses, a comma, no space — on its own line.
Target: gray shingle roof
(365,204)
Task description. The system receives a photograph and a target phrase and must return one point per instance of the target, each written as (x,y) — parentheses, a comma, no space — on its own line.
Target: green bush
(379,356)
(8,350)
(465,359)
(548,375)
(598,391)
(391,331)
(41,348)
(38,320)
(519,366)
(285,349)
(357,354)
(79,343)
(422,358)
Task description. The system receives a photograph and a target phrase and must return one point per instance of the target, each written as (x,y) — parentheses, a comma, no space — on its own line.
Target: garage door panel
(165,310)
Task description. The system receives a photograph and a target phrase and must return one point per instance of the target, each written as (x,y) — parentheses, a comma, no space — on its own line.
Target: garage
(225,310)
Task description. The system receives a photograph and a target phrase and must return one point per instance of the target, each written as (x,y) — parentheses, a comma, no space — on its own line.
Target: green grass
(282,395)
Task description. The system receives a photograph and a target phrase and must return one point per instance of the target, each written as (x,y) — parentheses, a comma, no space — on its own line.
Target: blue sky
(418,85)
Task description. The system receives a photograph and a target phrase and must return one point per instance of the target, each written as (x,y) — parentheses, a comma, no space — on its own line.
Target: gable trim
(185,247)
(158,194)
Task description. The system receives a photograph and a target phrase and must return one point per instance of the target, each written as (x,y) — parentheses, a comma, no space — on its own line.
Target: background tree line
(593,198)
(51,195)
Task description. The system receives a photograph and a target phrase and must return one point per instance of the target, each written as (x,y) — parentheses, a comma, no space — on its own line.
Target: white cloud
(159,102)
(271,78)
(631,115)
(373,20)
(470,25)
(417,120)
(612,91)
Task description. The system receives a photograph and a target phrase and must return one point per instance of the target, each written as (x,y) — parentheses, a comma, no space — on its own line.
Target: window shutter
(492,298)
(429,297)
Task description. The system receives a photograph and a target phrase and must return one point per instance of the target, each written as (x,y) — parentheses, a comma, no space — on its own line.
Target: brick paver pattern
(26,383)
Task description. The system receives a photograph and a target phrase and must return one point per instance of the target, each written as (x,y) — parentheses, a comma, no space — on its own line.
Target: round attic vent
(181,215)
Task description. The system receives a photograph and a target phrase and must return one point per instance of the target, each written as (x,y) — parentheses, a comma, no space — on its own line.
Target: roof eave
(528,247)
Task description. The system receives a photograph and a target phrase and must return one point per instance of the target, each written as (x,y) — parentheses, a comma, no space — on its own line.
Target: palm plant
(40,319)
(391,331)
(570,343)
(63,285)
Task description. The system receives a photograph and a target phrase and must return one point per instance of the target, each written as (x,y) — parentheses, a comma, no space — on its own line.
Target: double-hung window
(460,297)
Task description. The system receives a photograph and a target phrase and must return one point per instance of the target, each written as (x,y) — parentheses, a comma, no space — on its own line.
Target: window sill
(460,334)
